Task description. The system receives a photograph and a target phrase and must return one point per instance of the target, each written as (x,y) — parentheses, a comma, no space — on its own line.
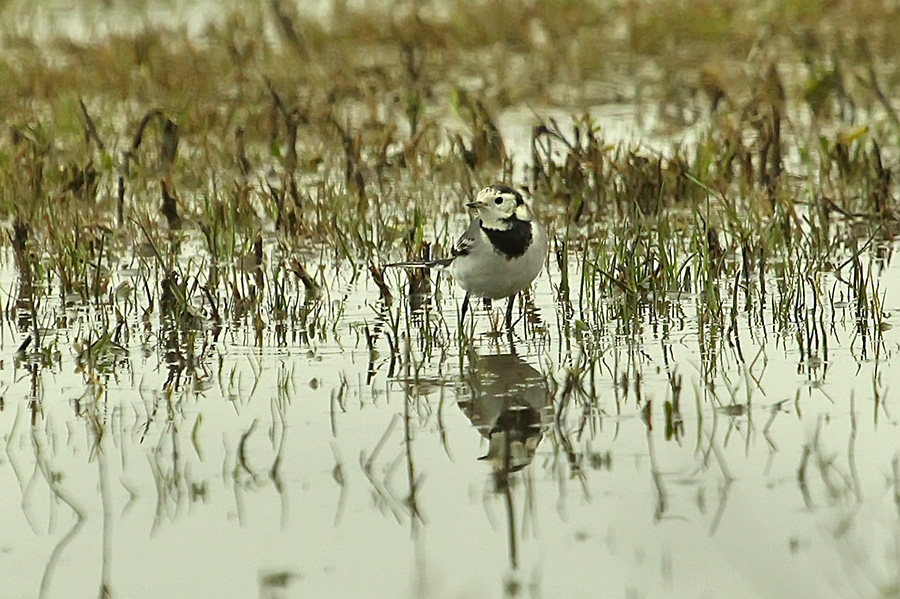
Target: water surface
(453,467)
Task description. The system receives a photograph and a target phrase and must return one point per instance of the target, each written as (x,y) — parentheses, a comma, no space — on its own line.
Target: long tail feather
(422,264)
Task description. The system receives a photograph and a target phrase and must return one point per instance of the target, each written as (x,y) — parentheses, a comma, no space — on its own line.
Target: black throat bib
(511,242)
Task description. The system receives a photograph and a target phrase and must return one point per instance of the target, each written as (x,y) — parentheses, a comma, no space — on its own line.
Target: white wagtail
(501,252)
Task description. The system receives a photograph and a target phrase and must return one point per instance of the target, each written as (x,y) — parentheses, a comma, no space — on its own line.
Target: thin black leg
(509,307)
(462,315)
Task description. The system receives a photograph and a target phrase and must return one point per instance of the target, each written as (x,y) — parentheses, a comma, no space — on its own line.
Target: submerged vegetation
(231,176)
(251,174)
(176,192)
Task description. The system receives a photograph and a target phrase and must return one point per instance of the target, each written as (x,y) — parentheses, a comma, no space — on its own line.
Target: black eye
(498,200)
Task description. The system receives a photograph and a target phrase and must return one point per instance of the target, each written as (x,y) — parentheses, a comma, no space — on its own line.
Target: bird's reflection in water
(510,405)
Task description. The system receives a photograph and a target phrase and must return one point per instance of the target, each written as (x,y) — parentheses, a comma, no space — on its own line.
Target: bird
(501,252)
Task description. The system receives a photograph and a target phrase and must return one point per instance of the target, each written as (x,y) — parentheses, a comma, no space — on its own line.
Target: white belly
(494,276)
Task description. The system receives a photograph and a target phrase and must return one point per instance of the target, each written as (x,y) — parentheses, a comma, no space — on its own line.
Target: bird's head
(498,204)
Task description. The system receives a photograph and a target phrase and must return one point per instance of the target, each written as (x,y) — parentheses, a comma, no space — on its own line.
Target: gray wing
(468,240)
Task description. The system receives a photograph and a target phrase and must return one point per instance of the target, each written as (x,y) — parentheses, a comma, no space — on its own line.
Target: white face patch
(523,213)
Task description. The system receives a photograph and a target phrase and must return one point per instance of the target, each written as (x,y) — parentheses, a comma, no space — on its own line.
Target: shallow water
(633,448)
(321,468)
